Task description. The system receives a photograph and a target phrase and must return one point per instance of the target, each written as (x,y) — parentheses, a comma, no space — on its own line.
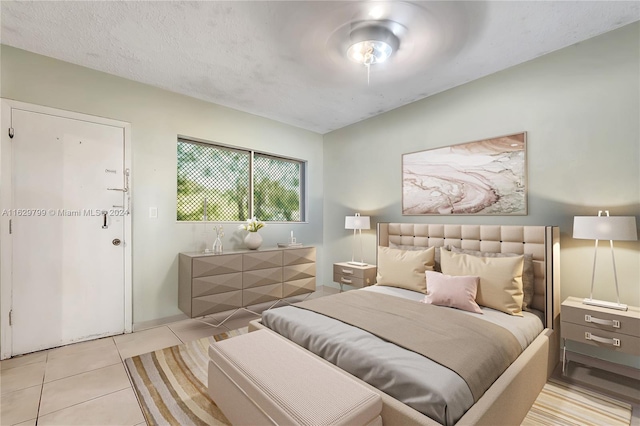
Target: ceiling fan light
(372,44)
(369,52)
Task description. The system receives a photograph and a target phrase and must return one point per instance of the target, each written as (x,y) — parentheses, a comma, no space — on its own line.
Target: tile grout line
(174,333)
(83,372)
(23,365)
(79,403)
(44,374)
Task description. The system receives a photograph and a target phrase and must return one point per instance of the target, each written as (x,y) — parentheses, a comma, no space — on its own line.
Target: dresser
(354,275)
(209,283)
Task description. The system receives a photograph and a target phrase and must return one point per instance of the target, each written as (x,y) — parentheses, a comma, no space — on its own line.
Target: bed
(440,395)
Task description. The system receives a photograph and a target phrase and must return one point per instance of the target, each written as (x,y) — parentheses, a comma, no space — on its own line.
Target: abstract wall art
(486,177)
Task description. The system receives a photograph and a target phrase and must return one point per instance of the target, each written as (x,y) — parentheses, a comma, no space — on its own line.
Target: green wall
(157,117)
(580,107)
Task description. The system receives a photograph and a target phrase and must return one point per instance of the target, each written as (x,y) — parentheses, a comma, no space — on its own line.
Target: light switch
(153,212)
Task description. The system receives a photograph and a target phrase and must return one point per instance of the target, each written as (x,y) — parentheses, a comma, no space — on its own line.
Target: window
(218,183)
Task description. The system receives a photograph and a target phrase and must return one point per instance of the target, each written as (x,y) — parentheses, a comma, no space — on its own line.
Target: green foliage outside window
(216,180)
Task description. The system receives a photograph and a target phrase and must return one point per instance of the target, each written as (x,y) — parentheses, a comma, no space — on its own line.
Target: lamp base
(358,263)
(605,304)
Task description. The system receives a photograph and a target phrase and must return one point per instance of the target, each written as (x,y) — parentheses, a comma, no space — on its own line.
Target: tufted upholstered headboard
(543,242)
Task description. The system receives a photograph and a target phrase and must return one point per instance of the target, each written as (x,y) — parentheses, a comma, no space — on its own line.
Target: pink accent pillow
(452,291)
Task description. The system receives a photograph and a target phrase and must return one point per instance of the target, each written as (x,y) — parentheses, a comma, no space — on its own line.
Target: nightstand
(354,275)
(607,328)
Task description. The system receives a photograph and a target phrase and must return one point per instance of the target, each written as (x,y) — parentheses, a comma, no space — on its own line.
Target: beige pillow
(404,268)
(436,266)
(500,278)
(527,271)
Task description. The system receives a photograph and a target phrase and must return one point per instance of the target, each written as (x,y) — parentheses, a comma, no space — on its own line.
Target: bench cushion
(262,378)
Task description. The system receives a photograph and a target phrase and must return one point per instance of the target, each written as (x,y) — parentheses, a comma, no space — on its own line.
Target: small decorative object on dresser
(612,329)
(252,240)
(354,275)
(217,244)
(291,243)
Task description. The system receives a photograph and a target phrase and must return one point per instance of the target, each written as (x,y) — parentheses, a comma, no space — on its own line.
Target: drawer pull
(613,323)
(345,280)
(347,271)
(614,341)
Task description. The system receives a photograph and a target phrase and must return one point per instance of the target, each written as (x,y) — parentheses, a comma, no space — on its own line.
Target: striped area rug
(561,404)
(171,385)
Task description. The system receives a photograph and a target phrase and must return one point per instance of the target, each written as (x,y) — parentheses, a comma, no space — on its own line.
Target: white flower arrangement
(252,225)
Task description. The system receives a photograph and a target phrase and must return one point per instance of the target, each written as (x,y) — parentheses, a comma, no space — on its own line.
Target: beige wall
(156,118)
(580,109)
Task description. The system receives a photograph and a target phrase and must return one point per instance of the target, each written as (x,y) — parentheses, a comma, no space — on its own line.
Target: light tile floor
(87,383)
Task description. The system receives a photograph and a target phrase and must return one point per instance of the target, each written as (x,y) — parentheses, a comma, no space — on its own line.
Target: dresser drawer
(261,277)
(589,316)
(297,256)
(296,287)
(215,265)
(262,260)
(266,293)
(591,336)
(206,305)
(298,272)
(214,284)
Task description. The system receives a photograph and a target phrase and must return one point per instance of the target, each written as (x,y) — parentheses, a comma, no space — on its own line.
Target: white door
(68,231)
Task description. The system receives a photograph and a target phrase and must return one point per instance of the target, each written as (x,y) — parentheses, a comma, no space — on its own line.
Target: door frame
(6,202)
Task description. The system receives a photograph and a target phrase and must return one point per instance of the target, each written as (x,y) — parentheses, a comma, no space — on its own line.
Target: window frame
(252,152)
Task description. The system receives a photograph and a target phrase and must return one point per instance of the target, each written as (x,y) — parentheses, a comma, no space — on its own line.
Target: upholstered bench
(260,378)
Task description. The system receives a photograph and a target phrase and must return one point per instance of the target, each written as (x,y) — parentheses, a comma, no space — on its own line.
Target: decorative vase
(253,240)
(217,246)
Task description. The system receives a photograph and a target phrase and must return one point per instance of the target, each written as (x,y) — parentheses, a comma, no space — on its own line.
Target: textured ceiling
(285,60)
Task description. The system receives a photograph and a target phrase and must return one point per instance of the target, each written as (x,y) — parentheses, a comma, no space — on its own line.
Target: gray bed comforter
(424,385)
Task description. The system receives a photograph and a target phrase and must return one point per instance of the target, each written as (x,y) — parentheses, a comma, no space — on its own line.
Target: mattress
(424,385)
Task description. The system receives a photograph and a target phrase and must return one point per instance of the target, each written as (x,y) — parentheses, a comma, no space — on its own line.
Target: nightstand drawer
(602,338)
(348,271)
(602,319)
(354,275)
(349,280)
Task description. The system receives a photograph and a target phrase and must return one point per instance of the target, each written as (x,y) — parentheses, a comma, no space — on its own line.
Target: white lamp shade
(616,228)
(357,222)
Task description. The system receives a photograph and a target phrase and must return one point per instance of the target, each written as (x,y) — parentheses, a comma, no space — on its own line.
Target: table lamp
(357,223)
(605,227)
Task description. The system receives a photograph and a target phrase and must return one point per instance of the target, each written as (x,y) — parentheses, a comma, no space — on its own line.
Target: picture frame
(484,177)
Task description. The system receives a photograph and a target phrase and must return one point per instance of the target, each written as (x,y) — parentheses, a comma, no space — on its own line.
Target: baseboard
(158,322)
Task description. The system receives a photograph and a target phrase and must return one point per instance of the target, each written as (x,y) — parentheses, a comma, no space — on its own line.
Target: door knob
(116,242)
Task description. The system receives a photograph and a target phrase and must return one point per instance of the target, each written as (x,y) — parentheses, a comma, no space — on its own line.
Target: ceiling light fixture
(372,44)
(376,12)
